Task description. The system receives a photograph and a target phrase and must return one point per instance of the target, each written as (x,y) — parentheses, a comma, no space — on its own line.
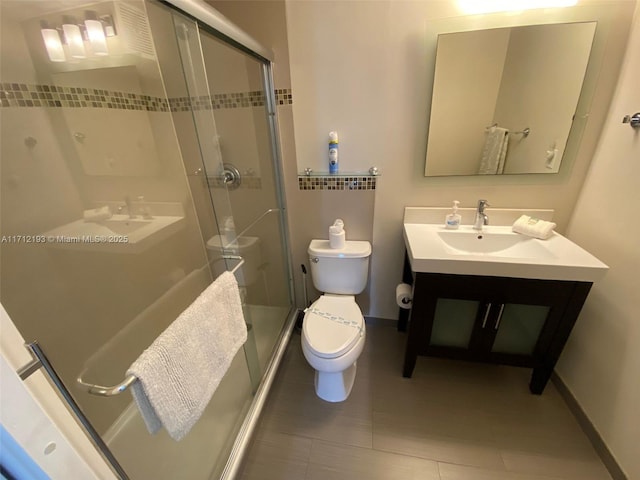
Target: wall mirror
(504,99)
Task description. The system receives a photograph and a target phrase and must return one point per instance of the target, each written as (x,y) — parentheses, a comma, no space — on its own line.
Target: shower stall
(140,160)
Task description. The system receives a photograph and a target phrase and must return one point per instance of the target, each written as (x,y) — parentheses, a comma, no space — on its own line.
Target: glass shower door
(235,126)
(105,234)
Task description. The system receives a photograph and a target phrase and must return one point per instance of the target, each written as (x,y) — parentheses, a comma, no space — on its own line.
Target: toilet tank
(341,271)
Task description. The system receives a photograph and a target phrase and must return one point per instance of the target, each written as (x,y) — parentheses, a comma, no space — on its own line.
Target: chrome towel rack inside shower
(524,132)
(110,391)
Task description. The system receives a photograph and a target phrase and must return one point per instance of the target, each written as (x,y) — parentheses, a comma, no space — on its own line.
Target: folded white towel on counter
(180,371)
(534,227)
(97,214)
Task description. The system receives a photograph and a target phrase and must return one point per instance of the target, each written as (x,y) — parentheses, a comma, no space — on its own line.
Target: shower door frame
(215,24)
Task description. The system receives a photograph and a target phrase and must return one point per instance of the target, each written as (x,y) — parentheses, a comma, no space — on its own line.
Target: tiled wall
(30,95)
(331,182)
(56,96)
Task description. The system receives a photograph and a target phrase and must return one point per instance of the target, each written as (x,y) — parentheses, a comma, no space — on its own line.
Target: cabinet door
(518,327)
(453,323)
(527,313)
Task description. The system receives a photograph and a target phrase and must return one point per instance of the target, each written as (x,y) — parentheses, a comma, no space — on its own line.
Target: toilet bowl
(333,336)
(333,329)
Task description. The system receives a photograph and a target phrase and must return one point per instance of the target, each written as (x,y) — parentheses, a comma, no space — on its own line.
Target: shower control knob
(633,120)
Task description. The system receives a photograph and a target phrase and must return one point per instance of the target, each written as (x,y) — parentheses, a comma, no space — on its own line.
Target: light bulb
(96,37)
(53,44)
(73,36)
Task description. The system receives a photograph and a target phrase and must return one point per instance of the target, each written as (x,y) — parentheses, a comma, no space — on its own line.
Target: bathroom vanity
(493,296)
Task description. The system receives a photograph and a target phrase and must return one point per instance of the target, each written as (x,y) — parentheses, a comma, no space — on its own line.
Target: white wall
(357,67)
(601,361)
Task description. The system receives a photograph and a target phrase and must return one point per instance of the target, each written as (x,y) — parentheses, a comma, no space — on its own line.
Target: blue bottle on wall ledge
(333,152)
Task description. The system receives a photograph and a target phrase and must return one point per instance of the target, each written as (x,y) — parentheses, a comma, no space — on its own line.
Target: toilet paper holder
(404,296)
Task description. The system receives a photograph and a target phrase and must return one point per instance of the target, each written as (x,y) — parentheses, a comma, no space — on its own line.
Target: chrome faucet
(481,217)
(144,208)
(128,206)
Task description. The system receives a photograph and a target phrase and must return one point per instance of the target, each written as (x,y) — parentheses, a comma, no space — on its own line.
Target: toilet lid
(332,325)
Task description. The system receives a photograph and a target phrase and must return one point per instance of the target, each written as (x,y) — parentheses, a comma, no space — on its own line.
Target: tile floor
(451,421)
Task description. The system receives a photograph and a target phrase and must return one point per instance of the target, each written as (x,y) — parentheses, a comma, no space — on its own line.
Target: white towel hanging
(180,371)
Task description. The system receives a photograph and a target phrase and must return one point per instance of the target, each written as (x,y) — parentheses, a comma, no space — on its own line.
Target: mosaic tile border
(330,182)
(283,96)
(34,95)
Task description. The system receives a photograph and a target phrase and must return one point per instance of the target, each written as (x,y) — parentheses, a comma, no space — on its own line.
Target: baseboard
(594,437)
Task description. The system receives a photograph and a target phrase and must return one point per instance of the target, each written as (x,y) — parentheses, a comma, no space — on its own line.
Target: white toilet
(333,331)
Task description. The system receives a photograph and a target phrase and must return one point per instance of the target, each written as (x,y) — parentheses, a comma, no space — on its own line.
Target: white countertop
(556,258)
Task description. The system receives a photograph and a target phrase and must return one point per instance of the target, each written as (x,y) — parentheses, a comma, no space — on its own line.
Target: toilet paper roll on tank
(404,295)
(337,234)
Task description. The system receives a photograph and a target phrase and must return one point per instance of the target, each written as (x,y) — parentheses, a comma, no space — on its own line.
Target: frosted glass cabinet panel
(519,328)
(453,322)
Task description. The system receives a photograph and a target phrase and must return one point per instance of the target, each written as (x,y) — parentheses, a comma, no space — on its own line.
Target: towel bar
(103,391)
(234,257)
(524,133)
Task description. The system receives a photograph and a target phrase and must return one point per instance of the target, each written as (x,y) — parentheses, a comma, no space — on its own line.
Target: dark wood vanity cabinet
(513,321)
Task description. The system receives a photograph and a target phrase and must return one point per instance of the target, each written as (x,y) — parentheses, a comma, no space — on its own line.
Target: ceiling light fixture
(473,7)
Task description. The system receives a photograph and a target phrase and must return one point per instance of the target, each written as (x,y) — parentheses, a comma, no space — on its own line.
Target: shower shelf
(338,175)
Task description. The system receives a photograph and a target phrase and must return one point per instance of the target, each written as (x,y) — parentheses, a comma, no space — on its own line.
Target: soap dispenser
(453,219)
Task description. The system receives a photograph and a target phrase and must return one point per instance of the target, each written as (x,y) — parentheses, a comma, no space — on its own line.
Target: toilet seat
(332,325)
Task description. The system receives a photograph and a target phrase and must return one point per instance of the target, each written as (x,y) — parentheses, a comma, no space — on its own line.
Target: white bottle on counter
(453,219)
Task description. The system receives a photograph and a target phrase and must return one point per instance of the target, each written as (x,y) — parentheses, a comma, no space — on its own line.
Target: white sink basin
(125,226)
(118,234)
(497,251)
(493,242)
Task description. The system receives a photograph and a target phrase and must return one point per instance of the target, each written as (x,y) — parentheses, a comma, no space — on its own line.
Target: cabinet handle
(499,316)
(486,315)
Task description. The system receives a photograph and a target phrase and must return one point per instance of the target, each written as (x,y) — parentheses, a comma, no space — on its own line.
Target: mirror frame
(603,15)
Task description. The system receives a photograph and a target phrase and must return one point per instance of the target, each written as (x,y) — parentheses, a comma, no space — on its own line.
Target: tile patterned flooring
(451,421)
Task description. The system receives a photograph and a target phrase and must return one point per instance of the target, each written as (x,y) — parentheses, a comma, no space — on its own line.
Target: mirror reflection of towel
(494,151)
